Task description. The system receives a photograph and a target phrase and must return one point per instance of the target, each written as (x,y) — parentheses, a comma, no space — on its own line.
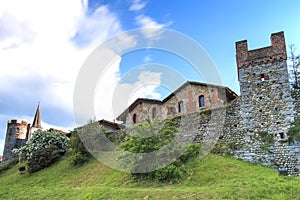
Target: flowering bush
(42,149)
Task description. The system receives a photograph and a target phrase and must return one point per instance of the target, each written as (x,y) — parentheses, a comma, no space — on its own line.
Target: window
(263,77)
(180,106)
(281,135)
(153,113)
(134,118)
(201,101)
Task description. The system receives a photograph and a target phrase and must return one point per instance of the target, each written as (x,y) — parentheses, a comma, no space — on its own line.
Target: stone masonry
(189,94)
(266,101)
(18,134)
(265,109)
(16,137)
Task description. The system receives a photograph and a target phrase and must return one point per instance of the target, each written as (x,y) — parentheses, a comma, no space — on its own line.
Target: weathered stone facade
(266,101)
(193,97)
(17,134)
(253,126)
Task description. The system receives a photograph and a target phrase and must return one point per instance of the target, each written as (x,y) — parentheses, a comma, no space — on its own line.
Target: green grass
(214,177)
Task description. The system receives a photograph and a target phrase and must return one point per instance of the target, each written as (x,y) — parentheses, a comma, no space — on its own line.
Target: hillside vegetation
(214,177)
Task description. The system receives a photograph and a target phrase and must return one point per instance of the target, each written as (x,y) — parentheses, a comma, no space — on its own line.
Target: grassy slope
(214,177)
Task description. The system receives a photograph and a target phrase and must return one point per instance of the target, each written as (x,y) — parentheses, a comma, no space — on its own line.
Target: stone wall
(228,135)
(266,101)
(221,127)
(143,111)
(267,104)
(15,138)
(188,94)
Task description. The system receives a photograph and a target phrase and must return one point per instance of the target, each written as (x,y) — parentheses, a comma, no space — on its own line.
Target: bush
(7,165)
(162,134)
(77,152)
(43,149)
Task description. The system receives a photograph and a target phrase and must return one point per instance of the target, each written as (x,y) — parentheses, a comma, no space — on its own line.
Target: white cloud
(126,93)
(10,36)
(148,22)
(93,29)
(137,5)
(152,29)
(44,44)
(104,91)
(41,33)
(148,58)
(49,40)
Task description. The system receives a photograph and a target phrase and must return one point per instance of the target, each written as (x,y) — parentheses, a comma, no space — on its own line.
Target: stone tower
(18,134)
(267,105)
(16,137)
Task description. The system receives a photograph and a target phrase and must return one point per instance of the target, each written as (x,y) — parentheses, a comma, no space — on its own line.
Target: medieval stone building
(267,104)
(189,98)
(264,108)
(17,134)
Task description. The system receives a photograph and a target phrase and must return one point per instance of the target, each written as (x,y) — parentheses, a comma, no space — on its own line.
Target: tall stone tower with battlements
(18,134)
(266,101)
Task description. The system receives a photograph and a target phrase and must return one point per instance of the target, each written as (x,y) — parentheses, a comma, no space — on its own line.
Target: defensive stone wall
(219,130)
(266,101)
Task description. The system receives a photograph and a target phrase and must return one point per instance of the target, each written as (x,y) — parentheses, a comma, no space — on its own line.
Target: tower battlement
(14,121)
(267,105)
(270,54)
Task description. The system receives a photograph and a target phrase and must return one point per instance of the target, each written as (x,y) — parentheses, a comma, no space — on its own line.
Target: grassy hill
(214,177)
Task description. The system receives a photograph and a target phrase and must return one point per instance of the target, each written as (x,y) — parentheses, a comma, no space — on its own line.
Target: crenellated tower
(16,137)
(18,134)
(267,105)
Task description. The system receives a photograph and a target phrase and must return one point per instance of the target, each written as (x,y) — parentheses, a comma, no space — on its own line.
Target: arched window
(180,106)
(201,101)
(153,113)
(134,118)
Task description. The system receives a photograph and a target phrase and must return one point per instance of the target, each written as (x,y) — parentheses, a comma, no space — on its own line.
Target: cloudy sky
(43,45)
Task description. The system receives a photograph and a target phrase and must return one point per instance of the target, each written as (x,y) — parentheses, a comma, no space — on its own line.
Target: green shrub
(42,158)
(161,134)
(266,137)
(43,149)
(8,164)
(77,152)
(220,148)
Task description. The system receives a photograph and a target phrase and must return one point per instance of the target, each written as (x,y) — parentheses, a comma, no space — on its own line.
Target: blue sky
(44,44)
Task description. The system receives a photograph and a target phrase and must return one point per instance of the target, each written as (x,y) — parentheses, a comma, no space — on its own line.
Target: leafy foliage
(294,132)
(7,165)
(43,149)
(226,148)
(266,137)
(77,152)
(160,134)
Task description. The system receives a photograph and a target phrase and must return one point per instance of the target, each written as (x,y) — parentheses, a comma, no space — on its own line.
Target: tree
(294,65)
